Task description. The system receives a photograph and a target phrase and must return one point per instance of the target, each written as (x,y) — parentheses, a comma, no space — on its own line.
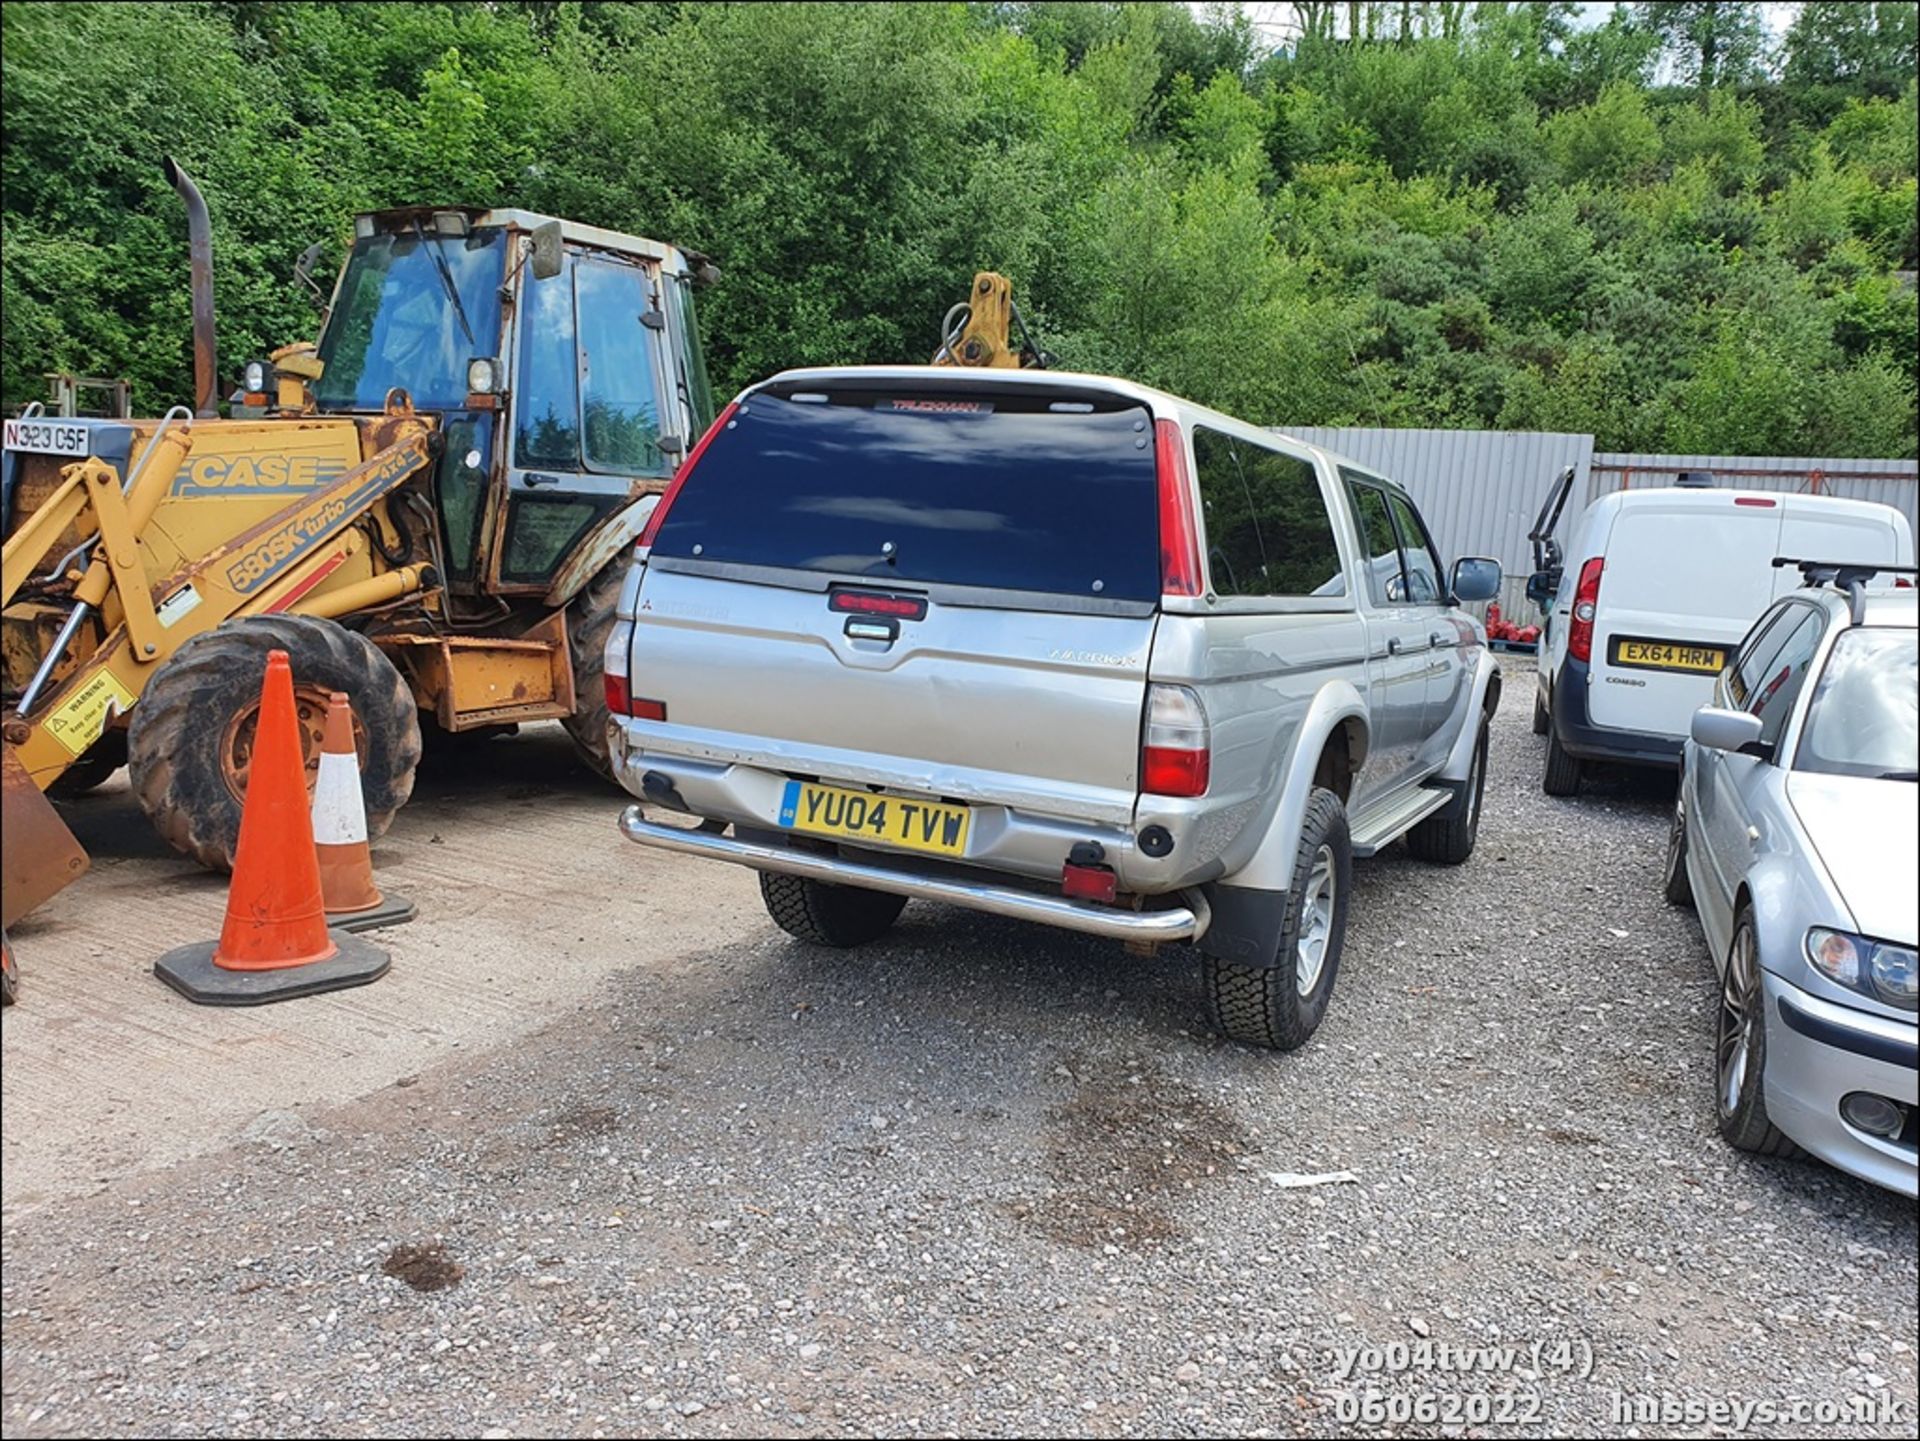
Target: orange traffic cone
(353,901)
(275,944)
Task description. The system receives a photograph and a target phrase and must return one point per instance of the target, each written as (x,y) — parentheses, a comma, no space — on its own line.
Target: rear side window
(1758,650)
(1773,693)
(1268,532)
(1030,493)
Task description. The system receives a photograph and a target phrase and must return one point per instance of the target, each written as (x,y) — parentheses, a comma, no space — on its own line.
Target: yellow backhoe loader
(430,508)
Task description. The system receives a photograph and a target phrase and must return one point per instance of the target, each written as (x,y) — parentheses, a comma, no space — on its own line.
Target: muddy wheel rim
(310,718)
(1316,922)
(1739,1019)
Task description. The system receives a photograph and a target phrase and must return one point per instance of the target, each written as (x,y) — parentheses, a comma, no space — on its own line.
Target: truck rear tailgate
(947,587)
(1025,708)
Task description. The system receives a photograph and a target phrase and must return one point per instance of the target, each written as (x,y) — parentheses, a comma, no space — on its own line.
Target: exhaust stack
(206,381)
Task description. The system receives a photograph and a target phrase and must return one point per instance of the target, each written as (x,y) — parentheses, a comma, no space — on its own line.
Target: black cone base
(391,911)
(190,971)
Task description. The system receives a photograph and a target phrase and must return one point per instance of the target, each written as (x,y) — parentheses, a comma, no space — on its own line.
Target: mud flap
(39,856)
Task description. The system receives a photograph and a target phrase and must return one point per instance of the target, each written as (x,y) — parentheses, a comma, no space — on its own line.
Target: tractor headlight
(1886,972)
(256,377)
(483,376)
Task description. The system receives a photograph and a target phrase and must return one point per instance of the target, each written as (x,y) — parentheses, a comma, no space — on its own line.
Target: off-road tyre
(1264,1005)
(589,619)
(828,915)
(179,743)
(1562,775)
(1743,1121)
(1447,838)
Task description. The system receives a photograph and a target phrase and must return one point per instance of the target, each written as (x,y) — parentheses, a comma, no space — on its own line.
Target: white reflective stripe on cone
(339,814)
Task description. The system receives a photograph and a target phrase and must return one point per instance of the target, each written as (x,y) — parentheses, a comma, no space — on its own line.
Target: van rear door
(1685,575)
(948,586)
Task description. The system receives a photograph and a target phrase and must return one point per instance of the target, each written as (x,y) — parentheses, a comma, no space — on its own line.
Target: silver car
(1794,838)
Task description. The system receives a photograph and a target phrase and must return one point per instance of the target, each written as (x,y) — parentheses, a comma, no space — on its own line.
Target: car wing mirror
(1475,577)
(1725,730)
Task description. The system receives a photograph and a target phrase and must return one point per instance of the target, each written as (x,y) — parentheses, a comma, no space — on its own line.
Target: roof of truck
(961,377)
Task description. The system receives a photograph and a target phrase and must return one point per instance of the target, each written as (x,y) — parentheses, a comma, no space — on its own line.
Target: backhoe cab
(430,508)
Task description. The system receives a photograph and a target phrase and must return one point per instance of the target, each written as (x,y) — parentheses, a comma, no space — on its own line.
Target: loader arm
(268,568)
(980,331)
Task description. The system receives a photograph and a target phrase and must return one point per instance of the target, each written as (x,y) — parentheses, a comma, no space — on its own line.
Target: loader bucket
(39,856)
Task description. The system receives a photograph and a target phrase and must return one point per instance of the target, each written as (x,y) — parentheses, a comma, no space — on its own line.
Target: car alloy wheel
(1741,1014)
(1316,922)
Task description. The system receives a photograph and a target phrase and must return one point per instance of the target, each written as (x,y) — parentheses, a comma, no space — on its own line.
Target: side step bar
(1182,923)
(1375,831)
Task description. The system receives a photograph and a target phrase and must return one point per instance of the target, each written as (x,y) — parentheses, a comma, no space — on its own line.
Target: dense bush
(1468,215)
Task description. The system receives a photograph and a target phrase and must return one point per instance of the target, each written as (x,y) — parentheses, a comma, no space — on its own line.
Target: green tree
(1709,42)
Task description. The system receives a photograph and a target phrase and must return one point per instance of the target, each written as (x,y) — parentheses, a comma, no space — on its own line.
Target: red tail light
(1179,535)
(619,702)
(1759,500)
(1586,599)
(1176,745)
(680,476)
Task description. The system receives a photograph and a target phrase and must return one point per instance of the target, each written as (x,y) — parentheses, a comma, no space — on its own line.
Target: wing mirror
(1475,577)
(1543,586)
(548,255)
(1725,730)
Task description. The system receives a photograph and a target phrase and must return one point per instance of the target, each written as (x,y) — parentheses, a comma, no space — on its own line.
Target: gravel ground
(987,1178)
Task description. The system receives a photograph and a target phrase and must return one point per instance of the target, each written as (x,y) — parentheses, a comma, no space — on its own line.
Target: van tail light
(1179,533)
(1586,599)
(621,702)
(720,423)
(1176,746)
(1900,582)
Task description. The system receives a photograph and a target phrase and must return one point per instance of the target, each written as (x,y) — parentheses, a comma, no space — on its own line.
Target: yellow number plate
(879,820)
(1670,655)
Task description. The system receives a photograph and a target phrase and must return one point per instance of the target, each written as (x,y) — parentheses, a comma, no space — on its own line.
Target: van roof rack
(1848,575)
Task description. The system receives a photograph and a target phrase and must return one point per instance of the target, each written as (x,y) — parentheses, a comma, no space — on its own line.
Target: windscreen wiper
(453,291)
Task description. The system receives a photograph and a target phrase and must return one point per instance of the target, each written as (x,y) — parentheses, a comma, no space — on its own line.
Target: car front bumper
(1819,1052)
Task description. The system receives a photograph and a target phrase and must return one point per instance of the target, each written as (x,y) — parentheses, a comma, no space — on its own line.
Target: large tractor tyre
(589,619)
(190,744)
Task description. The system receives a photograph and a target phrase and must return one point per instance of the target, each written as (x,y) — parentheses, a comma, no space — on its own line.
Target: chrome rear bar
(1181,923)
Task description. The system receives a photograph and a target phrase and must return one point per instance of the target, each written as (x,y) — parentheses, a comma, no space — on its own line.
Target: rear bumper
(1179,923)
(1579,736)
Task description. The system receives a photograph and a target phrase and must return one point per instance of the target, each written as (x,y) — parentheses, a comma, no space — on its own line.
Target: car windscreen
(1864,719)
(1028,493)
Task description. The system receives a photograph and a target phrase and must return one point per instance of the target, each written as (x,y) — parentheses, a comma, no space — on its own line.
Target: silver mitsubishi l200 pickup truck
(1052,646)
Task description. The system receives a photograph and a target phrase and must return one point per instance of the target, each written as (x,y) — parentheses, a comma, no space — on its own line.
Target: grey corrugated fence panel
(1890,482)
(1478,489)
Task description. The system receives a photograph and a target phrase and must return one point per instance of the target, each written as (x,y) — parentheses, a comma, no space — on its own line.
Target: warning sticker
(82,716)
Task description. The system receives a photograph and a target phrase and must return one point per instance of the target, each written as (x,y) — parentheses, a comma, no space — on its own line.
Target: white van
(1655,592)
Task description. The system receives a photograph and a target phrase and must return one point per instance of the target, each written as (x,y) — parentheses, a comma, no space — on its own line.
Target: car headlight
(1886,972)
